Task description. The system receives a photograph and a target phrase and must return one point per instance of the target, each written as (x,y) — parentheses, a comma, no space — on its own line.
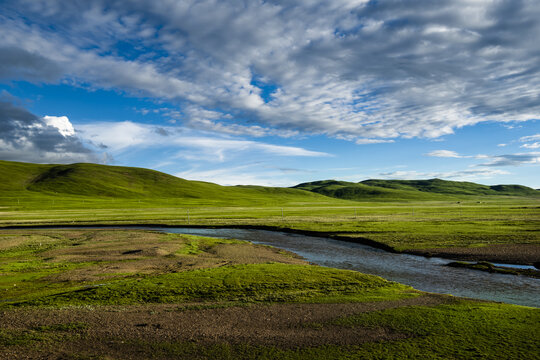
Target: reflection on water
(426,274)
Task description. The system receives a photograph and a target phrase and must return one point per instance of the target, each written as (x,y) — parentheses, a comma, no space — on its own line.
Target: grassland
(112,294)
(453,219)
(70,267)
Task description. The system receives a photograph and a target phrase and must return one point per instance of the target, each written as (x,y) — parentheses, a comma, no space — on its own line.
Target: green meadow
(404,215)
(119,294)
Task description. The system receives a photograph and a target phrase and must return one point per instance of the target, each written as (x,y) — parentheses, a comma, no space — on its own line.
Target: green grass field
(119,294)
(408,216)
(115,294)
(401,226)
(65,267)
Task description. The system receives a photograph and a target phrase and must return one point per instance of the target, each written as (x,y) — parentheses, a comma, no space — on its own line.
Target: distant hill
(103,181)
(92,180)
(453,187)
(433,189)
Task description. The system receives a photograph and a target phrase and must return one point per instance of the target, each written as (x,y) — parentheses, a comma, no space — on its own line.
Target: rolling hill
(103,181)
(454,187)
(433,189)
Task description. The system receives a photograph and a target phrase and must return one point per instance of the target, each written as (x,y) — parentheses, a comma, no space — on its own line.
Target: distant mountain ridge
(432,189)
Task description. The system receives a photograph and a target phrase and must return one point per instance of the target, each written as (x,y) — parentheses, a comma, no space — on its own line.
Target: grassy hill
(433,189)
(92,181)
(454,187)
(359,192)
(101,181)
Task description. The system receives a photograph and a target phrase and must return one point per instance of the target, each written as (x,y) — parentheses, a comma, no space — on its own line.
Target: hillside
(454,187)
(358,191)
(433,189)
(101,181)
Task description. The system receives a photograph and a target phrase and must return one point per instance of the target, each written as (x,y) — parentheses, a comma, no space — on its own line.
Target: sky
(276,92)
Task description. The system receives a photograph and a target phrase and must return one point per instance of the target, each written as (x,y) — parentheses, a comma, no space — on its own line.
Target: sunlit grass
(411,225)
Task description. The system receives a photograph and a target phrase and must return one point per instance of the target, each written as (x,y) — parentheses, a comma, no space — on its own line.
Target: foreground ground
(105,294)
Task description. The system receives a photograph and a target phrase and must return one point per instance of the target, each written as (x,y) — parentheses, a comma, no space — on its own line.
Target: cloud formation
(453,154)
(189,144)
(364,141)
(463,175)
(444,154)
(495,160)
(361,70)
(27,137)
(514,159)
(62,123)
(236,175)
(20,64)
(530,141)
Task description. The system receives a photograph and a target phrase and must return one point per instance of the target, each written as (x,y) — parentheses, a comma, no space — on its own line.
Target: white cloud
(288,150)
(530,145)
(480,156)
(225,176)
(123,136)
(118,136)
(529,138)
(237,175)
(338,68)
(62,123)
(372,141)
(463,175)
(534,145)
(494,160)
(444,153)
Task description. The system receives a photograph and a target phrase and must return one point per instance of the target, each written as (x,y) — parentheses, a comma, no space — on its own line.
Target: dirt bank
(523,254)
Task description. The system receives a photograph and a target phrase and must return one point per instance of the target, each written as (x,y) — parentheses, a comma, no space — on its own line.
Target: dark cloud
(161,131)
(346,68)
(27,137)
(19,64)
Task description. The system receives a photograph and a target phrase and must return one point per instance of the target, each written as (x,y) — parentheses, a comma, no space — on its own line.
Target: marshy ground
(134,294)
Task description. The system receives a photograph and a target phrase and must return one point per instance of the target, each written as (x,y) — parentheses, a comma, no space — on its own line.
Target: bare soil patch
(106,329)
(121,252)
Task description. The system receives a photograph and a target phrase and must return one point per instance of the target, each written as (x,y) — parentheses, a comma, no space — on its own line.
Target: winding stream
(426,274)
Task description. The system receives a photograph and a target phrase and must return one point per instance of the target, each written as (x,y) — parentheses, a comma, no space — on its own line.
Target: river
(426,274)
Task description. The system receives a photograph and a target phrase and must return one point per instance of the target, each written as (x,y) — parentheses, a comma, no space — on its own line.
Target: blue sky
(276,92)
